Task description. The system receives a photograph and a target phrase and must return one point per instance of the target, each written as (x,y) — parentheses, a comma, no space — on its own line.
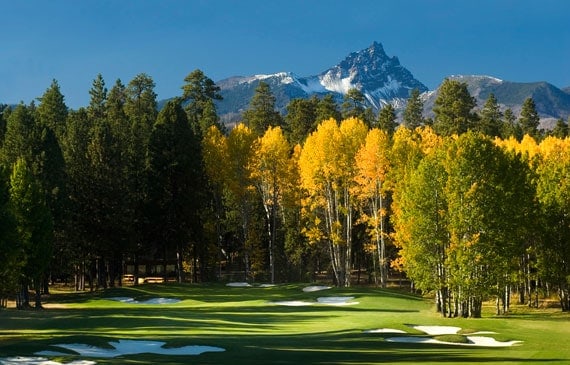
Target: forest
(470,204)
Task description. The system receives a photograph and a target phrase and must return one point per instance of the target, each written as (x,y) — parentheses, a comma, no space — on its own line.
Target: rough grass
(254,331)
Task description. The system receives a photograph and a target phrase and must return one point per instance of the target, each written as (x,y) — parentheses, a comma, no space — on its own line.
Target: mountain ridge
(383,80)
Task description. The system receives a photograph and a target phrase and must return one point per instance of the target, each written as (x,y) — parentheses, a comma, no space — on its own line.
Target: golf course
(282,324)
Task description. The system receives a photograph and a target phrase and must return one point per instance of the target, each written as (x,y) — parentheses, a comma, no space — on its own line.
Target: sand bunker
(148,301)
(131,347)
(314,288)
(444,330)
(267,285)
(473,341)
(239,285)
(25,360)
(336,300)
(322,300)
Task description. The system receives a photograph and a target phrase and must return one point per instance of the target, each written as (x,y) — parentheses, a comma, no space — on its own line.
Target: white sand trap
(490,342)
(132,347)
(239,285)
(148,301)
(438,330)
(294,303)
(25,360)
(473,341)
(384,330)
(314,288)
(336,300)
(122,299)
(267,285)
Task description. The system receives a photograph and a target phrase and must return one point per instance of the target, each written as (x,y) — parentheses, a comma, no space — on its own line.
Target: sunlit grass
(254,330)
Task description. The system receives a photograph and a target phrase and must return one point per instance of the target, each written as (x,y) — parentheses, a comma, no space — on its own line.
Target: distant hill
(551,102)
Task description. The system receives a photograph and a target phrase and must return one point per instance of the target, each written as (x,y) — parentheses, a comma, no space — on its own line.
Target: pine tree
(560,130)
(35,228)
(413,114)
(175,185)
(491,116)
(52,111)
(510,127)
(12,257)
(300,119)
(17,141)
(353,104)
(529,119)
(453,108)
(199,92)
(327,108)
(98,92)
(261,113)
(387,119)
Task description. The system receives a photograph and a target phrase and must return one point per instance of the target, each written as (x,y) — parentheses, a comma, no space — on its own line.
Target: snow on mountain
(380,78)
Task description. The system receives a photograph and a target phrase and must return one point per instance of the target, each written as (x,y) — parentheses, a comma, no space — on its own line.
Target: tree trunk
(38,290)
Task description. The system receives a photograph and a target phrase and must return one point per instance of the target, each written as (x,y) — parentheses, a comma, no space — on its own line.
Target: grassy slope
(253,332)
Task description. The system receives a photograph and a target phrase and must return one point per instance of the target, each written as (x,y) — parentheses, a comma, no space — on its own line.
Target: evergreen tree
(210,118)
(4,112)
(200,92)
(79,214)
(413,114)
(452,108)
(141,110)
(300,119)
(491,116)
(261,113)
(115,104)
(52,111)
(560,130)
(11,252)
(529,118)
(387,119)
(353,104)
(141,105)
(327,108)
(18,138)
(510,127)
(175,183)
(98,92)
(35,229)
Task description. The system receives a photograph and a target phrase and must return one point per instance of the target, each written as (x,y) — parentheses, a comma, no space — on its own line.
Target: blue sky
(74,40)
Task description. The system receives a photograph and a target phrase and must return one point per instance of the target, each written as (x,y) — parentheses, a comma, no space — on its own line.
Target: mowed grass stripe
(253,330)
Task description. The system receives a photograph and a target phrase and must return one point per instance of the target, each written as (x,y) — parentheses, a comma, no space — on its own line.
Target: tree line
(468,204)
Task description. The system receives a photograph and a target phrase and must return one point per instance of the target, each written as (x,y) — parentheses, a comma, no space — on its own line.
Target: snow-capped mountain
(380,78)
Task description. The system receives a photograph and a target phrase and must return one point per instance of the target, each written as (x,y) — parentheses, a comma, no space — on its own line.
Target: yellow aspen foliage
(429,140)
(327,171)
(215,155)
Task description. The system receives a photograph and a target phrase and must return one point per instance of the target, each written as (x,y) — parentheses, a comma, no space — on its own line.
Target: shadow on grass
(334,347)
(222,293)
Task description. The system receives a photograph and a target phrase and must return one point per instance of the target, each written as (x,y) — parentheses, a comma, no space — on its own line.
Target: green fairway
(252,329)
